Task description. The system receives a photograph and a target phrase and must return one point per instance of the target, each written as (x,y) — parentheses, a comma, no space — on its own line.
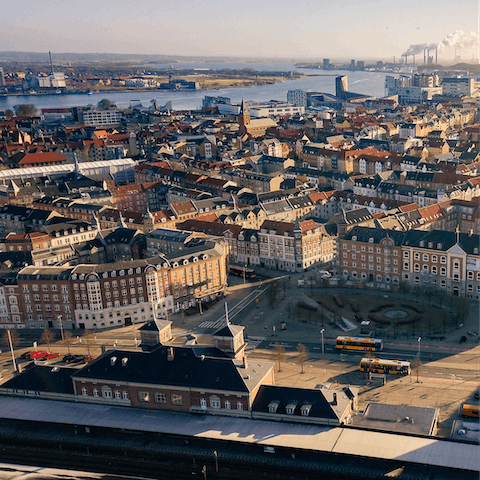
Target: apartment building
(448,261)
(295,247)
(97,296)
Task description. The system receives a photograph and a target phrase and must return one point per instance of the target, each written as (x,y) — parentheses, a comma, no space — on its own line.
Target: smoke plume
(458,39)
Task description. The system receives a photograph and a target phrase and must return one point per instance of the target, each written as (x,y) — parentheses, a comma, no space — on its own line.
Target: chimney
(334,402)
(245,363)
(470,232)
(170,355)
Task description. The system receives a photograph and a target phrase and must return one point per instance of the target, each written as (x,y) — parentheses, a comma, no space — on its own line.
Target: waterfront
(371,83)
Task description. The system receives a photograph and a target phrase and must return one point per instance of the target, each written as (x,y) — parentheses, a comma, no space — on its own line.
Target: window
(84,391)
(118,394)
(95,392)
(406,254)
(443,271)
(239,406)
(106,392)
(416,256)
(425,257)
(228,405)
(416,267)
(125,395)
(177,399)
(443,259)
(143,397)
(434,258)
(214,402)
(160,397)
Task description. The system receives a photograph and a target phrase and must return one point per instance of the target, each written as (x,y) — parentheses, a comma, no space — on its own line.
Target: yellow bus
(379,365)
(359,343)
(470,410)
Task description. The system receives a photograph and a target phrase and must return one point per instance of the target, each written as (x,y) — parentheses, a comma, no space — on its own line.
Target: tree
(302,356)
(26,110)
(105,103)
(279,355)
(87,339)
(416,364)
(15,338)
(67,336)
(9,114)
(47,338)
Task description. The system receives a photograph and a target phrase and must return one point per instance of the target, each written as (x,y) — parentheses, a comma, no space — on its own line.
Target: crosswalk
(210,325)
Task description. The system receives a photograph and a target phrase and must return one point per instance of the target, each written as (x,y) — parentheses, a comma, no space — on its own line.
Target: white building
(297,97)
(108,117)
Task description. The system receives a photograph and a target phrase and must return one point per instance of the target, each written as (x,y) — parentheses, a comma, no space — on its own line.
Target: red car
(51,355)
(38,354)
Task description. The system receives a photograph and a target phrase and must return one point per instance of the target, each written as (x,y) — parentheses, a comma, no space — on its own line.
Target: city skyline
(281,29)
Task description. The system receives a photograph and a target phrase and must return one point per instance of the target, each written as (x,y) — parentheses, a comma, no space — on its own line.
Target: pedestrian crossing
(209,325)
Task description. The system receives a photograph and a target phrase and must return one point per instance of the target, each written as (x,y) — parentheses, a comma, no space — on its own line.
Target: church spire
(244,116)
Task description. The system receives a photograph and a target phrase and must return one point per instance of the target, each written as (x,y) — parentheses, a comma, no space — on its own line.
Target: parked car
(51,355)
(88,359)
(73,358)
(38,354)
(26,355)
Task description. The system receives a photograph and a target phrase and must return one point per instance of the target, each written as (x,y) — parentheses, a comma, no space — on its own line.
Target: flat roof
(344,441)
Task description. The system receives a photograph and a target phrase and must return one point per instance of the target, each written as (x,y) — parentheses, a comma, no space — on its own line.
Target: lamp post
(216,460)
(323,345)
(61,326)
(244,273)
(419,340)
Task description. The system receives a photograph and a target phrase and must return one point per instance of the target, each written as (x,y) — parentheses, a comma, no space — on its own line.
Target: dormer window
(290,408)
(305,410)
(273,406)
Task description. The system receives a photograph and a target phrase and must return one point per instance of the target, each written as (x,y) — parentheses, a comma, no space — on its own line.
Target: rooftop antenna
(226,313)
(51,63)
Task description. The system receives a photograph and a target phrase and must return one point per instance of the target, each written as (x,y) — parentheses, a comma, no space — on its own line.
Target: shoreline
(214,86)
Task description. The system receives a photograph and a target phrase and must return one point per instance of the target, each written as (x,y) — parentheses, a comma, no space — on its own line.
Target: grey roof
(399,418)
(340,441)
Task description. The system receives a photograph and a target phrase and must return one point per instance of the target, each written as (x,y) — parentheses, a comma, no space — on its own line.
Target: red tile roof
(42,157)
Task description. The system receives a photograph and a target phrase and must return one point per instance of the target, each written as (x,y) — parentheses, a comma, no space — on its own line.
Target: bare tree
(302,356)
(14,337)
(47,338)
(67,337)
(87,339)
(279,355)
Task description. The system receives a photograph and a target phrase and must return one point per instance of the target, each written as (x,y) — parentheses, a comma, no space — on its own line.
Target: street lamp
(61,326)
(216,460)
(419,340)
(323,345)
(244,273)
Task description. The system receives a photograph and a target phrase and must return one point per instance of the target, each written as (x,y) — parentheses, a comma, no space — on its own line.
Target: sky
(249,28)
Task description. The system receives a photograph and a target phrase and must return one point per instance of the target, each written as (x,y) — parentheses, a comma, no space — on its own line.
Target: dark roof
(155,368)
(43,379)
(320,406)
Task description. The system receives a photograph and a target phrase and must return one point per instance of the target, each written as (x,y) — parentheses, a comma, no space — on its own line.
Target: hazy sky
(300,28)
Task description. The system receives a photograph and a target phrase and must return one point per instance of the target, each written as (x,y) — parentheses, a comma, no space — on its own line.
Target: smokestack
(425,57)
(436,56)
(51,63)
